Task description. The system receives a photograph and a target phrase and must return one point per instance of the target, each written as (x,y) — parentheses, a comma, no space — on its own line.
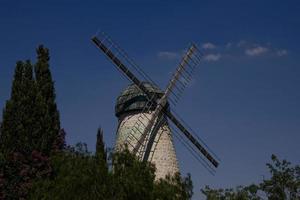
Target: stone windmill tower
(144,113)
(131,107)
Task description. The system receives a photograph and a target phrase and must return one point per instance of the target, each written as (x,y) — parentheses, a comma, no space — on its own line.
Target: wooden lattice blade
(167,112)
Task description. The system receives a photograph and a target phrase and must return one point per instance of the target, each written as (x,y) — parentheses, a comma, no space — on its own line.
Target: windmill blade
(155,129)
(190,60)
(120,66)
(162,102)
(191,148)
(192,139)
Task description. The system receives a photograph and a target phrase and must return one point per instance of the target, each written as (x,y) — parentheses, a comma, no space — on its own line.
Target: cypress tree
(17,81)
(27,107)
(23,116)
(8,125)
(17,115)
(30,118)
(101,153)
(17,141)
(30,128)
(46,100)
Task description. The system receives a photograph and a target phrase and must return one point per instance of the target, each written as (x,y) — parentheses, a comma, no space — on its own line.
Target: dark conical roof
(133,99)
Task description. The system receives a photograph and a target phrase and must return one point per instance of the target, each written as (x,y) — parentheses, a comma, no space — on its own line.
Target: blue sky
(244,100)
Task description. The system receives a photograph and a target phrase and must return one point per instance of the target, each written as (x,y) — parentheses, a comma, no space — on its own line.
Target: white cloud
(228,45)
(208,45)
(168,55)
(241,43)
(256,51)
(282,52)
(212,57)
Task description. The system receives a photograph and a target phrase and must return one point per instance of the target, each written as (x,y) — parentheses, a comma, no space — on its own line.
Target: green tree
(239,193)
(174,188)
(49,114)
(18,123)
(77,175)
(30,118)
(29,141)
(101,153)
(131,179)
(284,182)
(26,136)
(11,126)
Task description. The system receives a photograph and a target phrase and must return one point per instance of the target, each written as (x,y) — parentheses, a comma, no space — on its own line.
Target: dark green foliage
(49,115)
(240,193)
(77,176)
(131,178)
(18,171)
(173,188)
(284,183)
(59,142)
(30,118)
(19,122)
(101,152)
(29,130)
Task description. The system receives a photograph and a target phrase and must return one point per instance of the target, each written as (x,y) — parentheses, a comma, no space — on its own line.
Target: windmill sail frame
(167,112)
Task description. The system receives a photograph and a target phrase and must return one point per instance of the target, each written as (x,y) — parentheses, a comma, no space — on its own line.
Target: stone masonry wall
(164,156)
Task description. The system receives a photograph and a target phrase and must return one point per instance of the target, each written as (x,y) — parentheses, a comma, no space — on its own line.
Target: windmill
(144,111)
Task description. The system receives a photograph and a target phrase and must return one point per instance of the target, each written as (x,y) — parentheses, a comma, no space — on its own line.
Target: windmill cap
(132,99)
